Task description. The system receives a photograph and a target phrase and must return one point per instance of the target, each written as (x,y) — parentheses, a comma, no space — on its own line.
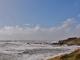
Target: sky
(39,19)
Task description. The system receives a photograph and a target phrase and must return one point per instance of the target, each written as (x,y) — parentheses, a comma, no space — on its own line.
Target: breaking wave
(24,50)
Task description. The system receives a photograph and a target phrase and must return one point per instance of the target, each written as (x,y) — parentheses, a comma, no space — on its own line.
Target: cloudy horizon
(37,33)
(39,19)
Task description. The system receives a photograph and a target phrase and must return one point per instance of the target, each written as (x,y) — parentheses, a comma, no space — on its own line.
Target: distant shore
(68,42)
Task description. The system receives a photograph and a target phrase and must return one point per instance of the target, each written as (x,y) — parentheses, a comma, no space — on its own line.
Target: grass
(75,55)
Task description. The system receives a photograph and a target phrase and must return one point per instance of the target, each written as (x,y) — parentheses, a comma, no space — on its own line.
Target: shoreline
(58,57)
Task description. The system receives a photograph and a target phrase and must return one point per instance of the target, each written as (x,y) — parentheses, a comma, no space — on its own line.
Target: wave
(20,50)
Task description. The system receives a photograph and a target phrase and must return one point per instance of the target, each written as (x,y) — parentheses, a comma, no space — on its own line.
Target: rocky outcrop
(70,41)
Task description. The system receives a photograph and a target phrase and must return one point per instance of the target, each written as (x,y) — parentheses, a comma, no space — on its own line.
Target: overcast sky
(39,19)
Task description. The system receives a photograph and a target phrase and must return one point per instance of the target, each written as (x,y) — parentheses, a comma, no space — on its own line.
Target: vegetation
(75,55)
(70,41)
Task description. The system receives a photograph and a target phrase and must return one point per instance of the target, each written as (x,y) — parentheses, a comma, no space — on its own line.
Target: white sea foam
(20,50)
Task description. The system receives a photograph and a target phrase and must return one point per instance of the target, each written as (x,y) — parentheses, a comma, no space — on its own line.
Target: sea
(31,49)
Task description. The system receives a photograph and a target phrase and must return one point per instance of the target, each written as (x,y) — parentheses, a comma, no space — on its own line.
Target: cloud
(38,33)
(79,15)
(67,22)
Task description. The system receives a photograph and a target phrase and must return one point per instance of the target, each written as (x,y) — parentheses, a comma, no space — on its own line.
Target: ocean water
(31,50)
